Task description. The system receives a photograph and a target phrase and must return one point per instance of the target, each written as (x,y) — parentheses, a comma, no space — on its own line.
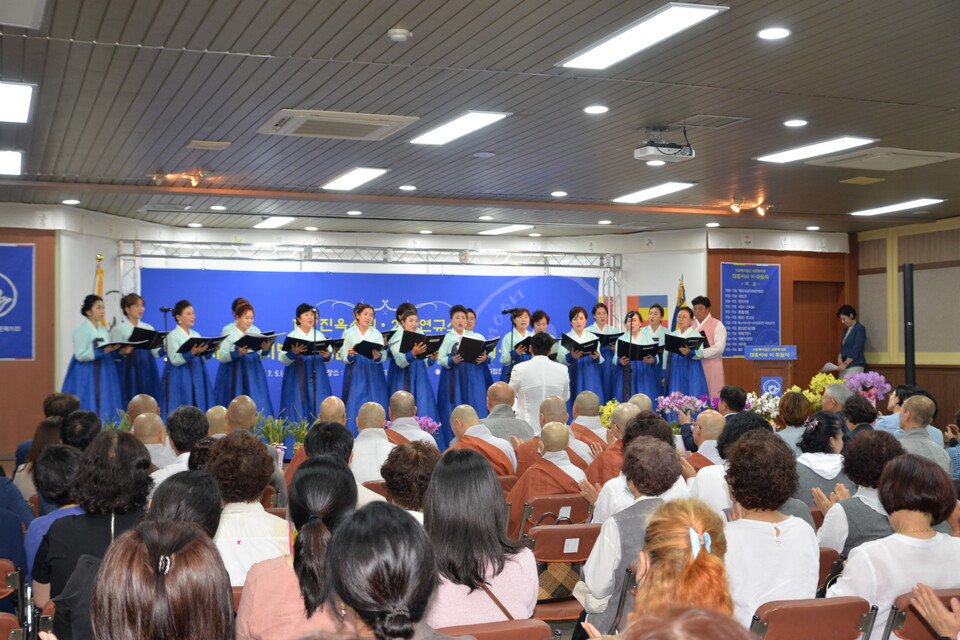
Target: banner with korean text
(751,306)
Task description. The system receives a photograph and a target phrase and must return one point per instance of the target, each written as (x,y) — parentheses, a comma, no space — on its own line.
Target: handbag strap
(496,601)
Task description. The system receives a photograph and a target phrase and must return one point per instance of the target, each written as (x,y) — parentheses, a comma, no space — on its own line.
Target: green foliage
(273,429)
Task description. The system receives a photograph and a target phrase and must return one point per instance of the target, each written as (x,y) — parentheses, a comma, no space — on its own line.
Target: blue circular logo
(772,386)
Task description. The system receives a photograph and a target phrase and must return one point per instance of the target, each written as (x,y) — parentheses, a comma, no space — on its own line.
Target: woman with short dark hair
(47,433)
(477,561)
(917,494)
(859,415)
(92,375)
(794,410)
(304,372)
(461,382)
(511,351)
(137,369)
(851,359)
(185,378)
(820,464)
(241,371)
(586,373)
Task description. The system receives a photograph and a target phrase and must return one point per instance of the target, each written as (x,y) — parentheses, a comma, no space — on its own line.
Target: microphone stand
(313,372)
(166,369)
(628,371)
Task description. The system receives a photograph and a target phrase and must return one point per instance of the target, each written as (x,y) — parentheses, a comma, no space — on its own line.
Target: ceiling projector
(664,151)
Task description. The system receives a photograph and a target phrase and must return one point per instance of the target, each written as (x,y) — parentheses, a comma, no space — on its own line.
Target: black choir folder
(366,348)
(212,343)
(607,339)
(587,347)
(637,351)
(135,345)
(411,339)
(154,339)
(673,343)
(387,335)
(253,341)
(313,347)
(471,348)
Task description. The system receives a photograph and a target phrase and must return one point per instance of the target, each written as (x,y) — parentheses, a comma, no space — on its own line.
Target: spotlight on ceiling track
(763,209)
(736,205)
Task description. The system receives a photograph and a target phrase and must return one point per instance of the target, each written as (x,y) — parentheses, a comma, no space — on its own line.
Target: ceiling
(125,85)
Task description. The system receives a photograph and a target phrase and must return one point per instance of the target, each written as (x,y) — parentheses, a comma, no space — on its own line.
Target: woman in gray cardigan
(820,464)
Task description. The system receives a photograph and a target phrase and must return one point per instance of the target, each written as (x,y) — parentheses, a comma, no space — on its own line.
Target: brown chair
(268,498)
(821,618)
(906,622)
(564,508)
(507,482)
(629,584)
(567,544)
(506,630)
(378,487)
(10,622)
(817,516)
(827,558)
(280,512)
(237,594)
(6,566)
(34,501)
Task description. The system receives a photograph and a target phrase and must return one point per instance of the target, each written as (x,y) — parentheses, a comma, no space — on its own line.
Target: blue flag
(681,302)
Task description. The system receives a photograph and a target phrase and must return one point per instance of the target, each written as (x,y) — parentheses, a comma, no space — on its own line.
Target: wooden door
(816,327)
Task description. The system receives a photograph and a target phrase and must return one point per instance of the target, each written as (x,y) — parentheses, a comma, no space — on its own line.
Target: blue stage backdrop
(16,301)
(275,296)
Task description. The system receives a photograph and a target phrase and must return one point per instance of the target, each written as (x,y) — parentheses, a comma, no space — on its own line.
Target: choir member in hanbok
(460,382)
(410,373)
(185,376)
(305,376)
(608,368)
(585,372)
(138,369)
(510,353)
(471,324)
(364,379)
(540,321)
(685,370)
(241,370)
(656,332)
(92,374)
(636,376)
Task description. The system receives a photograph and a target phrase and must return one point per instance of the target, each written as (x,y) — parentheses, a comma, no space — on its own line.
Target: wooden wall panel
(24,385)
(873,254)
(921,248)
(943,382)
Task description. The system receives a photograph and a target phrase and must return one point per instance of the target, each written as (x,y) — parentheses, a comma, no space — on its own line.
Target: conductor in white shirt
(371,447)
(537,379)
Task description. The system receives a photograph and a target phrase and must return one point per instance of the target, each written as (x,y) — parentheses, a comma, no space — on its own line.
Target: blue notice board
(17,301)
(783,352)
(751,306)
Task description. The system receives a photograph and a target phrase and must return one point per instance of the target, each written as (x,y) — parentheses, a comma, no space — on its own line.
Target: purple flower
(868,380)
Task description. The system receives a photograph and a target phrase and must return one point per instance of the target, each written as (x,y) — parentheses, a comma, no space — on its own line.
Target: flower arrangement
(710,403)
(818,384)
(606,411)
(869,384)
(676,402)
(767,405)
(426,423)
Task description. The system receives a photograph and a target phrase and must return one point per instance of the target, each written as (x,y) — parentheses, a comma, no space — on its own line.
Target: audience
(54,405)
(834,397)
(53,473)
(185,425)
(552,409)
(537,379)
(332,409)
(472,434)
(404,427)
(141,404)
(200,454)
(642,401)
(47,433)
(217,420)
(892,424)
(607,464)
(371,447)
(501,419)
(79,428)
(481,570)
(707,428)
(406,474)
(684,623)
(148,429)
(858,415)
(334,439)
(915,414)
(586,420)
(820,464)
(794,410)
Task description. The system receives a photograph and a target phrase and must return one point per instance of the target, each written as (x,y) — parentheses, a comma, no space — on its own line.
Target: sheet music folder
(154,339)
(470,349)
(313,348)
(587,347)
(253,341)
(637,351)
(607,339)
(411,338)
(673,343)
(213,343)
(366,348)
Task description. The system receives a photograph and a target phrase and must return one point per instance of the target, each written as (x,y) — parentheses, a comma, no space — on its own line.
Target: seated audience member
(334,439)
(322,494)
(186,425)
(148,429)
(944,622)
(140,404)
(586,420)
(850,521)
(217,421)
(916,413)
(794,411)
(242,415)
(770,555)
(162,580)
(79,428)
(474,435)
(732,400)
(54,471)
(953,450)
(820,465)
(47,433)
(186,497)
(707,428)
(111,486)
(242,468)
(891,422)
(552,409)
(834,397)
(917,494)
(642,401)
(476,560)
(553,475)
(651,467)
(680,623)
(332,409)
(537,379)
(12,549)
(501,419)
(858,416)
(371,446)
(406,474)
(383,571)
(55,405)
(607,464)
(200,454)
(404,427)
(615,495)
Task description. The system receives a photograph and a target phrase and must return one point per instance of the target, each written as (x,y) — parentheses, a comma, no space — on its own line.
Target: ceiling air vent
(884,159)
(708,121)
(334,124)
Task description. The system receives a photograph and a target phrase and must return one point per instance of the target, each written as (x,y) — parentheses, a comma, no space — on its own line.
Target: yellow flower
(606,411)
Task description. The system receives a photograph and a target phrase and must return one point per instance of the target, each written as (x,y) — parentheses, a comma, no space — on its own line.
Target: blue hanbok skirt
(462,383)
(586,374)
(364,381)
(189,385)
(243,377)
(415,378)
(637,377)
(297,399)
(139,374)
(97,385)
(686,376)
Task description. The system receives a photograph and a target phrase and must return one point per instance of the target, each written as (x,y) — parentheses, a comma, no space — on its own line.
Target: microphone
(508,311)
(166,309)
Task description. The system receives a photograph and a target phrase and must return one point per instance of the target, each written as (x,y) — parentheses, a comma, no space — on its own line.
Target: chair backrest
(8,623)
(569,543)
(817,516)
(507,630)
(506,483)
(835,618)
(6,566)
(280,512)
(906,622)
(34,501)
(827,558)
(379,487)
(268,498)
(237,594)
(558,509)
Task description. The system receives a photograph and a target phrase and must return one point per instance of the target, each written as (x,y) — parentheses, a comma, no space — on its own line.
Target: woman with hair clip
(820,463)
(185,376)
(322,493)
(510,354)
(460,382)
(608,368)
(304,373)
(685,369)
(383,571)
(636,376)
(137,369)
(483,574)
(584,369)
(92,374)
(364,379)
(407,371)
(241,370)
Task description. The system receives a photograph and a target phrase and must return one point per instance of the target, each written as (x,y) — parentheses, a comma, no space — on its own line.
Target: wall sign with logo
(17,284)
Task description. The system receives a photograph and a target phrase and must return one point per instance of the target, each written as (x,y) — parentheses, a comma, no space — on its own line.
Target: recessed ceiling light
(596,109)
(813,228)
(426,232)
(653,192)
(713,225)
(534,235)
(668,20)
(217,207)
(461,126)
(15,101)
(194,225)
(354,213)
(407,187)
(70,202)
(656,163)
(902,206)
(484,154)
(604,221)
(795,123)
(773,33)
(353,178)
(11,163)
(486,218)
(817,149)
(310,229)
(558,194)
(507,229)
(273,222)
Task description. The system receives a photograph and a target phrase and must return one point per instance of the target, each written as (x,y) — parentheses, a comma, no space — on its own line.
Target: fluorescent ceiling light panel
(507,229)
(274,222)
(354,178)
(654,192)
(902,206)
(818,149)
(15,101)
(461,126)
(668,20)
(11,163)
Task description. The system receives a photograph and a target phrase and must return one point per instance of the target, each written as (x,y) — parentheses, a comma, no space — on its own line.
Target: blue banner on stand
(17,301)
(751,305)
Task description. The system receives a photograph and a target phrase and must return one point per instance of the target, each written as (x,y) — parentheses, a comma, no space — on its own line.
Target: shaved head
(148,428)
(499,393)
(462,418)
(371,416)
(402,405)
(217,419)
(621,417)
(555,436)
(141,404)
(586,404)
(242,413)
(641,400)
(711,424)
(332,409)
(553,409)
